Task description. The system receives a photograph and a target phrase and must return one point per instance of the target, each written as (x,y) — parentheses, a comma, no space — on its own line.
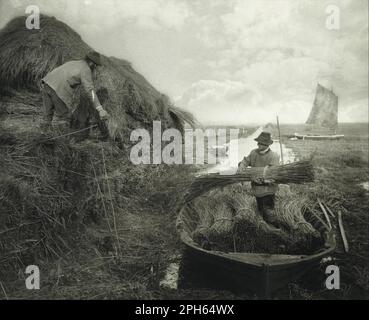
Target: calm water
(246,142)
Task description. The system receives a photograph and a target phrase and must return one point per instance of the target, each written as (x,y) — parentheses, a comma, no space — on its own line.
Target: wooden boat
(318,137)
(255,273)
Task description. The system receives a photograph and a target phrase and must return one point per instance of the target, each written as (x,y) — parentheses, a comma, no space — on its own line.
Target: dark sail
(324,114)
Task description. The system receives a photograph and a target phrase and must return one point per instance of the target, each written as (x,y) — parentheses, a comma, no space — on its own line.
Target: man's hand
(102,113)
(261,181)
(258,180)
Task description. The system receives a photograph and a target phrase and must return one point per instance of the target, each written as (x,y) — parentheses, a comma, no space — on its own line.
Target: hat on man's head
(264,138)
(94,57)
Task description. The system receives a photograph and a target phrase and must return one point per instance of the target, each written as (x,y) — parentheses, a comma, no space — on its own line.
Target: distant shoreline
(261,124)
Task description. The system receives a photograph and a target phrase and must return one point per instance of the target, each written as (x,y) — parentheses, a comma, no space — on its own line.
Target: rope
(71,133)
(264,171)
(240,209)
(229,219)
(304,223)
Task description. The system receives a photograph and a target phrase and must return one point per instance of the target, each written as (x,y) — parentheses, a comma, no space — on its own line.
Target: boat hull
(260,274)
(319,137)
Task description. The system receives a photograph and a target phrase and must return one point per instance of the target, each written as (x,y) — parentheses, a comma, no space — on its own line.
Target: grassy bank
(96,225)
(341,166)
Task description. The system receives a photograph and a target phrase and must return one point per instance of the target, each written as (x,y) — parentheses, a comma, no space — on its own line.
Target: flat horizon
(260,124)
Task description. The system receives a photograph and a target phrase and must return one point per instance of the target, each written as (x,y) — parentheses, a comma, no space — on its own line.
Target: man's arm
(275,160)
(246,162)
(87,83)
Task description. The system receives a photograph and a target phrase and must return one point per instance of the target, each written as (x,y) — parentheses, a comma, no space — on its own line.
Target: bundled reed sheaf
(244,229)
(203,218)
(297,172)
(28,55)
(252,233)
(290,212)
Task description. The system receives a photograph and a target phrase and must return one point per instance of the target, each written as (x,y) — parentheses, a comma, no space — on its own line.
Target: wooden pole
(342,231)
(329,210)
(325,214)
(280,140)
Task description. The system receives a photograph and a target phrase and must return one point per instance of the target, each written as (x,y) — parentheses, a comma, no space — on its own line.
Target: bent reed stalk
(297,172)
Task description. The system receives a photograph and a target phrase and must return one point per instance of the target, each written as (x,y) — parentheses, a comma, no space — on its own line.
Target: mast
(280,140)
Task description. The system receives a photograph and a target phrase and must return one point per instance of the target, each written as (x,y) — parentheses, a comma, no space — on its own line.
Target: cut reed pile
(84,215)
(85,208)
(50,190)
(244,229)
(28,55)
(297,172)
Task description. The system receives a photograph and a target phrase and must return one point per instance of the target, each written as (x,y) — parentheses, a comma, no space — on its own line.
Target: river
(239,148)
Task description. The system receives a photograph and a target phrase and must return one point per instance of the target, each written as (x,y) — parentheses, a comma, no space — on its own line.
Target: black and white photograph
(184,150)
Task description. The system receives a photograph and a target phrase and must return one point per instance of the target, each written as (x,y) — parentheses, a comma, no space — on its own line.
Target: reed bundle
(204,212)
(251,232)
(229,220)
(290,213)
(223,218)
(297,172)
(214,220)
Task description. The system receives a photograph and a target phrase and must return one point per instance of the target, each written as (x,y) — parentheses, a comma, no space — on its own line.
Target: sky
(231,61)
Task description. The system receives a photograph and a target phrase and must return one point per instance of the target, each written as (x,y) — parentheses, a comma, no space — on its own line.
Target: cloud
(285,55)
(107,14)
(214,56)
(187,62)
(225,102)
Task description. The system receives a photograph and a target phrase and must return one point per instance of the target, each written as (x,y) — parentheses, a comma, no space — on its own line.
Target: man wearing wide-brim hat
(263,190)
(59,85)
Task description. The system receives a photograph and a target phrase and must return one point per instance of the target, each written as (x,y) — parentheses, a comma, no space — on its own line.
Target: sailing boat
(323,119)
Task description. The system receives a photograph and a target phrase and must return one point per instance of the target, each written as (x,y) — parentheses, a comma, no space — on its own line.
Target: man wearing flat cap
(59,85)
(263,190)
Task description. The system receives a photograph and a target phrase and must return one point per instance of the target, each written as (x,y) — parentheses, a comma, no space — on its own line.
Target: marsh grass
(342,165)
(55,194)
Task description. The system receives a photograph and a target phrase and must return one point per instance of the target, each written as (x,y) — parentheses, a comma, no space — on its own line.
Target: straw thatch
(28,55)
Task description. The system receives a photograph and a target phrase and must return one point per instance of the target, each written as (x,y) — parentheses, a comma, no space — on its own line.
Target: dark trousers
(53,105)
(266,202)
(81,117)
